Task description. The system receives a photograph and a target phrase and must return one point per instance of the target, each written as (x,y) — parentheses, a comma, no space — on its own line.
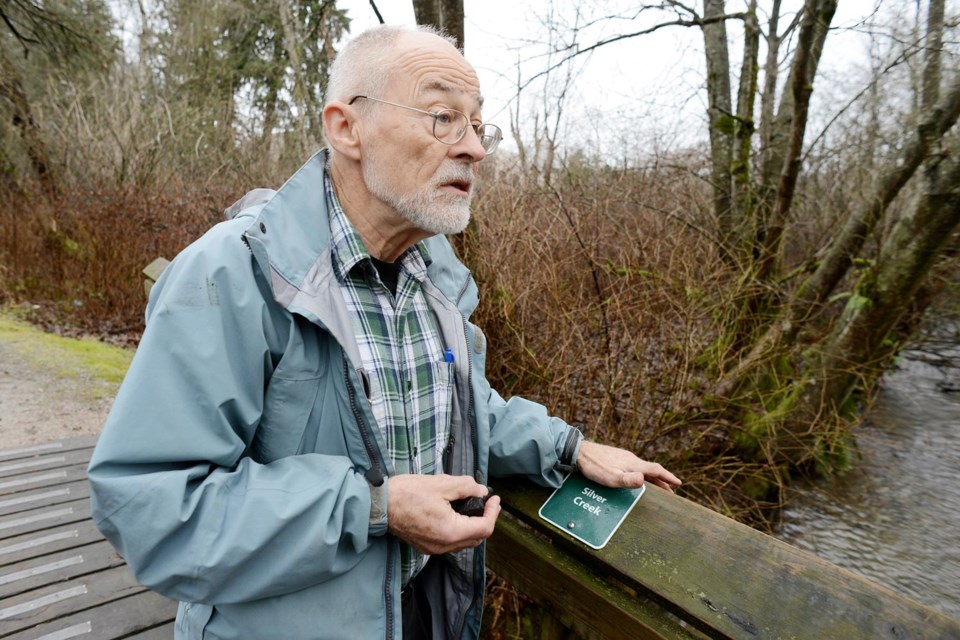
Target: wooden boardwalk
(59,579)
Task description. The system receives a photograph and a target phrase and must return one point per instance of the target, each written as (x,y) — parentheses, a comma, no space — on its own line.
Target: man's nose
(469,147)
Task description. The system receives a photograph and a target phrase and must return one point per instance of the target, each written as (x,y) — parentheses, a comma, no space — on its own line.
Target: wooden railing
(678,570)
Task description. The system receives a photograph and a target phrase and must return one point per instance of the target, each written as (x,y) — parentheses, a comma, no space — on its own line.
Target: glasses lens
(449,126)
(490,137)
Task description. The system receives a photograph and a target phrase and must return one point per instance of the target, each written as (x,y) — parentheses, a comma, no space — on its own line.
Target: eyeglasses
(449,126)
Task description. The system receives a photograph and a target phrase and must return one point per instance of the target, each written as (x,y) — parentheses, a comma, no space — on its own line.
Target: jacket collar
(289,235)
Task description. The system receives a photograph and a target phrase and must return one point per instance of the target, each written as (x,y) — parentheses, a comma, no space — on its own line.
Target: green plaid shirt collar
(348,250)
(402,353)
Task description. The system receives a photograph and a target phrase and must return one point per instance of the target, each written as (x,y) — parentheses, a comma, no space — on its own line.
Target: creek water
(895,517)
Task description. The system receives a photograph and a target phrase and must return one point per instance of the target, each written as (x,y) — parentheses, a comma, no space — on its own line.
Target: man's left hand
(613,467)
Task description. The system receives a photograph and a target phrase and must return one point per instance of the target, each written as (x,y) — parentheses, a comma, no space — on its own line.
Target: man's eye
(444,117)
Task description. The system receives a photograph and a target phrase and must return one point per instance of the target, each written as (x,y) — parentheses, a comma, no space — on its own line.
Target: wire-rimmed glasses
(449,125)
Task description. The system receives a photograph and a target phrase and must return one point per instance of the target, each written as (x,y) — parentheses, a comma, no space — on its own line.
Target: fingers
(631,479)
(613,467)
(492,508)
(457,487)
(663,485)
(481,527)
(661,477)
(419,512)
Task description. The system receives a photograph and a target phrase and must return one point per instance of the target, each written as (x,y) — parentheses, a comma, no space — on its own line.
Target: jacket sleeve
(525,440)
(171,488)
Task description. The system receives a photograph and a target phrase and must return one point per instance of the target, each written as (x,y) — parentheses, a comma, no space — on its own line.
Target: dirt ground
(39,404)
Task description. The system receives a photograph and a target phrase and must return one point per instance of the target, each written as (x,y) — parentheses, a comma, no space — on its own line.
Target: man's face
(425,181)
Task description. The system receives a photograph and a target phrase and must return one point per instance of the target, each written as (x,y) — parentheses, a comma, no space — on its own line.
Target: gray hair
(364,65)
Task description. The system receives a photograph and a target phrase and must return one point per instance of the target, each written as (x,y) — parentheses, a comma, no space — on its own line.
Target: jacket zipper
(374,476)
(472,423)
(476,461)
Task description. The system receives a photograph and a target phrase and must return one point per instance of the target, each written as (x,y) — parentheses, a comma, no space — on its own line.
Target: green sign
(589,512)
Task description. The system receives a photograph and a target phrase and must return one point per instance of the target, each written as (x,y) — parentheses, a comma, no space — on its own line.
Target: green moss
(757,487)
(858,301)
(725,124)
(834,453)
(761,426)
(100,364)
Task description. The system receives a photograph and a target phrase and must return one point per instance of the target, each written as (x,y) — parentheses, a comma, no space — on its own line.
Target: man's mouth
(462,186)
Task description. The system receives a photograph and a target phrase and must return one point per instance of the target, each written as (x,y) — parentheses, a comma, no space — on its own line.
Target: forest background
(723,295)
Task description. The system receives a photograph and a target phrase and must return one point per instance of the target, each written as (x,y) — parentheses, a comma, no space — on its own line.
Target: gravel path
(38,405)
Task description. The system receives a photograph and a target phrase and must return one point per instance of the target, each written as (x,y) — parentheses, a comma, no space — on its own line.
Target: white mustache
(455,172)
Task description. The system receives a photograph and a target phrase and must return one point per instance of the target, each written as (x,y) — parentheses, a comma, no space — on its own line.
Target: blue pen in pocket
(448,356)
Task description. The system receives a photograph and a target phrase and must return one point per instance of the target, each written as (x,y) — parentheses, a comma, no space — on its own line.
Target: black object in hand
(472,507)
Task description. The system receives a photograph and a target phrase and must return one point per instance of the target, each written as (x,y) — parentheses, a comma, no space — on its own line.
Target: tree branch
(696,22)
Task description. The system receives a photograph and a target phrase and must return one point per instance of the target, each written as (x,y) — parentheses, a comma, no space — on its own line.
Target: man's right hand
(419,512)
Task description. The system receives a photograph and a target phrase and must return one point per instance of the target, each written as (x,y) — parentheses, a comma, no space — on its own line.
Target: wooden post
(152,273)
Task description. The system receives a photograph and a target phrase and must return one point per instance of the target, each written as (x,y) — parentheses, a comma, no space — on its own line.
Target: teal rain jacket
(234,472)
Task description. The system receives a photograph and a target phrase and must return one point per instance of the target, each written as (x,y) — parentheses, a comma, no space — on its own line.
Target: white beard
(428,208)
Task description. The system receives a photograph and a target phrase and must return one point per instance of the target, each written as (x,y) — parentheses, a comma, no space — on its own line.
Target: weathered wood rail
(673,570)
(678,570)
(59,579)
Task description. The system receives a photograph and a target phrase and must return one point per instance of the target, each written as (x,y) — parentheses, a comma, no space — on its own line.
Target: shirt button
(409,385)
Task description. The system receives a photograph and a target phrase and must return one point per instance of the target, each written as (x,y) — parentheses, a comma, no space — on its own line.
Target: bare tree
(755,181)
(446,15)
(858,345)
(57,33)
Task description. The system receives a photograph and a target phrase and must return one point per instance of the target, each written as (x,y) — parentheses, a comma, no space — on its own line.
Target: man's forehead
(425,63)
(451,89)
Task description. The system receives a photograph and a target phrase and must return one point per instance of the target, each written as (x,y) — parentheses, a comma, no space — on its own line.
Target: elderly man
(308,403)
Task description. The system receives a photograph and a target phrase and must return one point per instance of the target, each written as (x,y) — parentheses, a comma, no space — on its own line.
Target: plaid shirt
(410,384)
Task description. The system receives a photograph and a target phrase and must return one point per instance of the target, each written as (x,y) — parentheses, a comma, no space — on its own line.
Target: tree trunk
(768,100)
(743,197)
(858,346)
(813,32)
(720,119)
(848,243)
(856,351)
(446,15)
(934,44)
(773,205)
(11,88)
(302,95)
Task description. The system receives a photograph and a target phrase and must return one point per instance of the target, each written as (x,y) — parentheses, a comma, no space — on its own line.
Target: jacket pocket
(287,406)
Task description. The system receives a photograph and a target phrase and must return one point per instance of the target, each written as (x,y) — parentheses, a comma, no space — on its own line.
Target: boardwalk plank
(55,460)
(164,632)
(39,572)
(42,519)
(40,543)
(53,601)
(48,448)
(117,619)
(43,497)
(59,578)
(43,478)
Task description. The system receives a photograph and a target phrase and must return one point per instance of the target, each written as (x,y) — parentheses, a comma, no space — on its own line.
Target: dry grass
(604,293)
(76,259)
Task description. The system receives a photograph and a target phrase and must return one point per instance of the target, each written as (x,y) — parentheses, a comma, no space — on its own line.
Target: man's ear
(340,126)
